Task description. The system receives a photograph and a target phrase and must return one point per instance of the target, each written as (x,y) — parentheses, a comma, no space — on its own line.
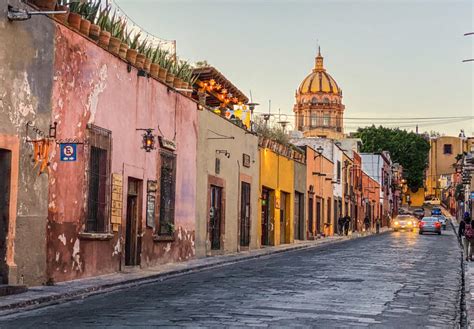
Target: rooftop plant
(89,10)
(117,27)
(103,19)
(142,46)
(134,42)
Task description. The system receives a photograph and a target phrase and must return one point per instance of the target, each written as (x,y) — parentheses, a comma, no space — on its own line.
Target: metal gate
(265,239)
(215,217)
(245,215)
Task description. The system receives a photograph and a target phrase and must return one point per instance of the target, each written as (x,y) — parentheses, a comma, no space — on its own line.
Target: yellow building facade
(276,215)
(442,157)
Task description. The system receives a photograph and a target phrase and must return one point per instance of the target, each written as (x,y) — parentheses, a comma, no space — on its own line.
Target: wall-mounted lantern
(148,141)
(225,152)
(319,152)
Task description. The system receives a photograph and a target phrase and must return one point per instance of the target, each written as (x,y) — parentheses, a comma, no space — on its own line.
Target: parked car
(442,219)
(404,222)
(429,224)
(434,201)
(419,213)
(436,211)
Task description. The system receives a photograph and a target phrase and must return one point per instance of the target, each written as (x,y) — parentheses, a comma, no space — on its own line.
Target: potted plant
(154,66)
(62,6)
(142,47)
(89,13)
(170,68)
(190,83)
(125,42)
(148,57)
(74,17)
(162,62)
(103,21)
(132,48)
(116,34)
(94,30)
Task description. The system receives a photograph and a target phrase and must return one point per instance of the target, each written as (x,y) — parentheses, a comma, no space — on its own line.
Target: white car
(434,201)
(443,220)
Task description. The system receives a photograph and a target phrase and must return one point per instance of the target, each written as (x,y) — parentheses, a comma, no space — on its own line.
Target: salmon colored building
(370,199)
(319,177)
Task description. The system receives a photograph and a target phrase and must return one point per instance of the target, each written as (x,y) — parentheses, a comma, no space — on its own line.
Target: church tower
(319,111)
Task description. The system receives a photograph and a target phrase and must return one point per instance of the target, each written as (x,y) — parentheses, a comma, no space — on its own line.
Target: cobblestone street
(399,280)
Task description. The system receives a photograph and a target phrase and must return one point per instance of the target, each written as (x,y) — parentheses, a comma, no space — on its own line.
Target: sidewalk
(468,268)
(41,296)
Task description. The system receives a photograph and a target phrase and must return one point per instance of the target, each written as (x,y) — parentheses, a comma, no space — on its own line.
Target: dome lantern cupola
(318,65)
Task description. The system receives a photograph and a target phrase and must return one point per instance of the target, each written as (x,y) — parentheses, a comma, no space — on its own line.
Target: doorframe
(12,144)
(138,223)
(219,182)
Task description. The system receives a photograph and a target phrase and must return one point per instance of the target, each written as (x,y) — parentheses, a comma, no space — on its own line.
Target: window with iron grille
(98,172)
(167,192)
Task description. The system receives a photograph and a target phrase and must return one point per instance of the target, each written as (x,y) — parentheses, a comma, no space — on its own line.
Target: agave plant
(89,10)
(103,19)
(75,7)
(143,46)
(149,52)
(134,42)
(117,27)
(159,56)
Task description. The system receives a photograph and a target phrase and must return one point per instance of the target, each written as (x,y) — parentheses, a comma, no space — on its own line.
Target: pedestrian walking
(377,225)
(466,234)
(366,223)
(347,224)
(340,226)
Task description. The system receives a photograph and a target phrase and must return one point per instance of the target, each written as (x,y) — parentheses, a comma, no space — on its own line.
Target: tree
(407,148)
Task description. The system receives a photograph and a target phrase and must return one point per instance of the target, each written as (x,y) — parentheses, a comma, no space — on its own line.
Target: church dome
(319,81)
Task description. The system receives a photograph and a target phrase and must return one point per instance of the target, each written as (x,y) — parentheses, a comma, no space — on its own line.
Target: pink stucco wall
(93,86)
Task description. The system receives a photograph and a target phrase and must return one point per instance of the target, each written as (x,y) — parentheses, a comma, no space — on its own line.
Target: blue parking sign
(68,152)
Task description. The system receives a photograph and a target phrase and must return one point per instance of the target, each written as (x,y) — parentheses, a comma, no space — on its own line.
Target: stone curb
(465,320)
(81,293)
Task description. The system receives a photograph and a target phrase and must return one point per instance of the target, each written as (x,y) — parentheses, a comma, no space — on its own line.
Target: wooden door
(132,247)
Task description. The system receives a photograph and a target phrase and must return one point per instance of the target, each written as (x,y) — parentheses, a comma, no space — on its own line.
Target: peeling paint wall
(92,86)
(211,129)
(26,66)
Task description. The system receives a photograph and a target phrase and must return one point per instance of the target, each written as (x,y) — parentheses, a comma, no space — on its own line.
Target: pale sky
(392,58)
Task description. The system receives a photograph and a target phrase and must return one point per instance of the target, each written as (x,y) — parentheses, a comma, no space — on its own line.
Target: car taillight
(437,224)
(421,224)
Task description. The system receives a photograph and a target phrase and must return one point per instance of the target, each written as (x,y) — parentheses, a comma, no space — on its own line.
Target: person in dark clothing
(366,223)
(340,225)
(468,244)
(347,224)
